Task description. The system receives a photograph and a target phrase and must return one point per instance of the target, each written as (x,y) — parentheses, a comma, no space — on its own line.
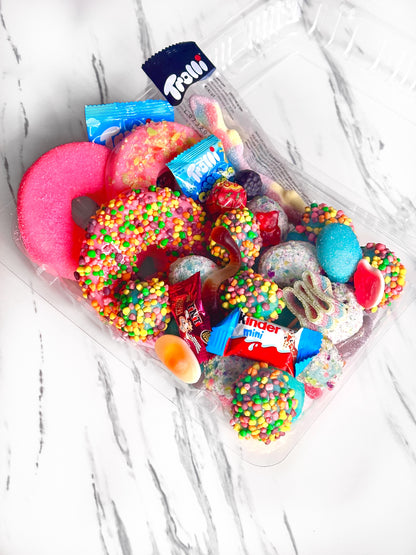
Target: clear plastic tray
(266,44)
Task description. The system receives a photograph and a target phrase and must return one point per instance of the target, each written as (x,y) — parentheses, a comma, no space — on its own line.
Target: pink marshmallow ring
(44,203)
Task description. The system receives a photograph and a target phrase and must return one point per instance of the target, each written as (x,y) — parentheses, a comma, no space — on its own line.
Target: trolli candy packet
(243,335)
(203,99)
(176,68)
(197,169)
(107,124)
(191,318)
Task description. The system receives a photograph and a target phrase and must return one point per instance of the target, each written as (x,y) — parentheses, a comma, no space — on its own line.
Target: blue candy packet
(107,124)
(198,168)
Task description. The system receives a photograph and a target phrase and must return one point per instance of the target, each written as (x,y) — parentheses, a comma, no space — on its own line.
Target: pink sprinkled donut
(142,155)
(134,224)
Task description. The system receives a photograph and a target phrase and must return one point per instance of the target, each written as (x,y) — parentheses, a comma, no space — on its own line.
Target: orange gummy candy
(178,357)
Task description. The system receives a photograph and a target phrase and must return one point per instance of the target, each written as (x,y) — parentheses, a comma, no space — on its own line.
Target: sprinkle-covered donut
(142,155)
(117,239)
(244,229)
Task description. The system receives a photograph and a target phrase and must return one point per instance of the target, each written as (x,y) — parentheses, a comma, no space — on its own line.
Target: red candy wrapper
(225,196)
(245,336)
(193,321)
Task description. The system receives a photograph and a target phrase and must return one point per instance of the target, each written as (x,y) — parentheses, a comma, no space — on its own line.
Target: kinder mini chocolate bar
(246,336)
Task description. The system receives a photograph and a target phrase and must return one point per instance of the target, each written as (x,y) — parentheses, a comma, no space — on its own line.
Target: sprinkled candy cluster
(245,231)
(316,216)
(254,294)
(393,271)
(120,235)
(144,308)
(264,403)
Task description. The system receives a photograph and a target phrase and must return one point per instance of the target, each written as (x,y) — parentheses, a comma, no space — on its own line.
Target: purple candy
(251,181)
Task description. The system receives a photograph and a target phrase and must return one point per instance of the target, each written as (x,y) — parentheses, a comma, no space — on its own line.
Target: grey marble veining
(365,147)
(103,453)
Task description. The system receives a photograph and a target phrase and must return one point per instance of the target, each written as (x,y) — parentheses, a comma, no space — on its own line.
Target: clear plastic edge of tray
(355,33)
(252,32)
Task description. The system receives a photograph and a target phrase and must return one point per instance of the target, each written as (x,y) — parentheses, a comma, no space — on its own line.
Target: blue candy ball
(338,251)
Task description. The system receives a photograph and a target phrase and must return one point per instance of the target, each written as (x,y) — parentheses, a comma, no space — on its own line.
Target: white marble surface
(93,459)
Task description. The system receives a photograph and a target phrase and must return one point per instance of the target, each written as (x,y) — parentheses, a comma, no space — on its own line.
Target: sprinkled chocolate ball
(315,217)
(254,294)
(144,310)
(266,401)
(393,271)
(245,231)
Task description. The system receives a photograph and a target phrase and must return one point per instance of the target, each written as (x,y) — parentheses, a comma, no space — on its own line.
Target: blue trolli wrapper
(198,168)
(176,68)
(243,335)
(107,124)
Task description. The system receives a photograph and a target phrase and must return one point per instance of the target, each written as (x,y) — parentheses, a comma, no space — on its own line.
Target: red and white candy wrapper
(193,322)
(246,336)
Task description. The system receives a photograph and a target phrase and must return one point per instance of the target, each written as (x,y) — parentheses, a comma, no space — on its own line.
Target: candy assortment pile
(250,290)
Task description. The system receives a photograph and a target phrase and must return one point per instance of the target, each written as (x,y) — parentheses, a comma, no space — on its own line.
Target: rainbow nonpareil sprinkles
(120,236)
(266,401)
